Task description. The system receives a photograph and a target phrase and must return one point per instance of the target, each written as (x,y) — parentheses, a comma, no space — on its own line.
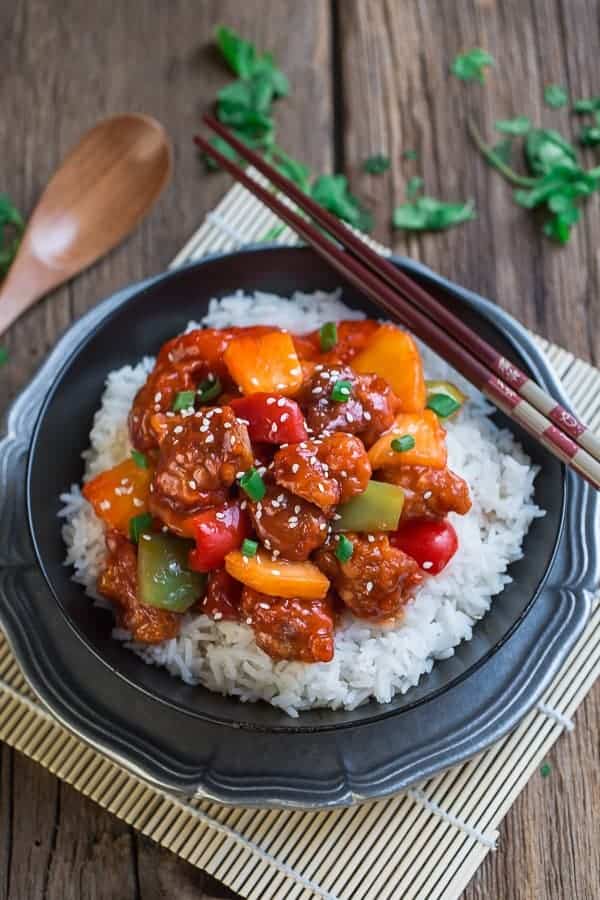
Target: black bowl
(133,710)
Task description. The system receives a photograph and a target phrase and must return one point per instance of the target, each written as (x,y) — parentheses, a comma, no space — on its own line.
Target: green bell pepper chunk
(164,579)
(378,508)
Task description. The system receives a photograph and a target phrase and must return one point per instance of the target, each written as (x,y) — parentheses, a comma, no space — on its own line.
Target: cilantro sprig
(247,107)
(555,96)
(423,213)
(557,181)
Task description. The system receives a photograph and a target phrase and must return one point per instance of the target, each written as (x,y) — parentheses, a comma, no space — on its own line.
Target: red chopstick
(439,339)
(499,366)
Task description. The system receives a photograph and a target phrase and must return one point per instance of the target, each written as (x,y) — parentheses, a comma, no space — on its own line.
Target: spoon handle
(27,280)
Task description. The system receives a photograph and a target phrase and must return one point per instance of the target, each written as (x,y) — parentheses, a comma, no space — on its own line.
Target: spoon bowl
(103,188)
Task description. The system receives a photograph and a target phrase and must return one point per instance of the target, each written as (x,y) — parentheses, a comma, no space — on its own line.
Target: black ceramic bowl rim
(380,711)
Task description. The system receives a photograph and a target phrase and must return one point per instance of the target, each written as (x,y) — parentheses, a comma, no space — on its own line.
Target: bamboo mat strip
(422,845)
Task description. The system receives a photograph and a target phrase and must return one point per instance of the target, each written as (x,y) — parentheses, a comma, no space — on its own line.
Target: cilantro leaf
(470,66)
(223,147)
(589,136)
(555,96)
(3,356)
(377,164)
(291,168)
(332,192)
(587,106)
(12,227)
(428,214)
(243,60)
(519,125)
(545,149)
(414,186)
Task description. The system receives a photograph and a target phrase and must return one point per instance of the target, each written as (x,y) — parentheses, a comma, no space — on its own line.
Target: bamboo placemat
(423,844)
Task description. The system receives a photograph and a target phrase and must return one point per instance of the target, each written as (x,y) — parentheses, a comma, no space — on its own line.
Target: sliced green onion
(545,770)
(253,485)
(138,525)
(344,548)
(341,391)
(3,355)
(139,459)
(209,389)
(249,548)
(328,336)
(406,442)
(442,405)
(183,400)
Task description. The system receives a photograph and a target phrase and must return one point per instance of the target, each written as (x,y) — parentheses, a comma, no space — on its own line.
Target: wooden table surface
(368,75)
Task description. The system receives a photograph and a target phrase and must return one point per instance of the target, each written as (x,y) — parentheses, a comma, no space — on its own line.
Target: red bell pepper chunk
(217,531)
(272,419)
(431,542)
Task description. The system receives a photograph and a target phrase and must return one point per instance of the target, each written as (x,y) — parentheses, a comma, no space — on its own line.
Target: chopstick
(369,281)
(507,371)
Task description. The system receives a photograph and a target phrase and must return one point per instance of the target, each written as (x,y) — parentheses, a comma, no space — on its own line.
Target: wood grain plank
(397,95)
(67,63)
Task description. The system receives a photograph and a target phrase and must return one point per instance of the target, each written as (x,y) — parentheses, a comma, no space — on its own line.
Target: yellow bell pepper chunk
(393,354)
(429,443)
(277,578)
(267,363)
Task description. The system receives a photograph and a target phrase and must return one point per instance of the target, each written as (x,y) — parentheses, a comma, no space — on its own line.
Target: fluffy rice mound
(370,661)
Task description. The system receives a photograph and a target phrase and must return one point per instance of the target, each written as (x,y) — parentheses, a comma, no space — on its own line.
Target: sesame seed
(283,446)
(371,538)
(245,560)
(369,586)
(281,387)
(178,429)
(192,484)
(336,516)
(296,371)
(267,543)
(281,498)
(226,425)
(319,368)
(275,504)
(276,553)
(210,439)
(164,529)
(276,572)
(317,390)
(170,414)
(367,416)
(261,470)
(243,504)
(343,473)
(146,537)
(105,504)
(157,397)
(271,401)
(285,417)
(321,488)
(157,407)
(254,380)
(219,515)
(258,515)
(281,402)
(248,621)
(293,520)
(137,502)
(427,564)
(323,526)
(427,495)
(297,509)
(295,468)
(217,616)
(264,605)
(349,417)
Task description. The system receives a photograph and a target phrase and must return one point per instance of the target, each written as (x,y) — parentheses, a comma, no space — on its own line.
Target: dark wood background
(368,75)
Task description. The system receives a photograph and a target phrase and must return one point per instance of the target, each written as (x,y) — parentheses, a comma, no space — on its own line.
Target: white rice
(370,661)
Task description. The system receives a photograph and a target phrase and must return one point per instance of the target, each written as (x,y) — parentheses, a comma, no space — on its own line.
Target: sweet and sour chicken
(281,481)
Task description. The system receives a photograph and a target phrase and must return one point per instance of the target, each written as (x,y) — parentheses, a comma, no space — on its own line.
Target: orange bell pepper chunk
(264,363)
(429,449)
(393,354)
(119,494)
(277,578)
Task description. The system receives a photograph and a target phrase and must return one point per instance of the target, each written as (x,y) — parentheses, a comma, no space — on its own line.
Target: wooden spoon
(105,185)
